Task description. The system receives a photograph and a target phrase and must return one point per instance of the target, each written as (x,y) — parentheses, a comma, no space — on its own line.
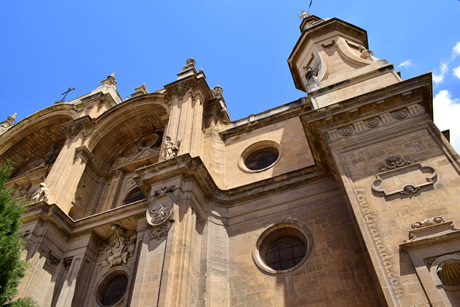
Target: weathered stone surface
(347,197)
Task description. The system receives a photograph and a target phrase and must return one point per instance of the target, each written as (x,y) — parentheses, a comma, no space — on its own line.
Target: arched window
(133,196)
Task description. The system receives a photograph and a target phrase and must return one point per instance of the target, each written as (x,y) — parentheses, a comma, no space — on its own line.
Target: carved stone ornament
(67,263)
(365,53)
(449,273)
(428,222)
(120,246)
(41,194)
(145,147)
(394,162)
(159,213)
(74,129)
(180,89)
(346,131)
(373,123)
(53,260)
(400,114)
(170,148)
(403,178)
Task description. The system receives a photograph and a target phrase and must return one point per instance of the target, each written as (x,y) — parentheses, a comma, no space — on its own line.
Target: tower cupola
(332,62)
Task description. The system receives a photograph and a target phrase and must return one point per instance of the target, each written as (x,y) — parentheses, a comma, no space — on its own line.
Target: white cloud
(446,111)
(406,64)
(456,50)
(438,78)
(457,72)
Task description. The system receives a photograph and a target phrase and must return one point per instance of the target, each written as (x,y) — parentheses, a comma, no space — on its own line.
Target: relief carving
(74,129)
(53,260)
(147,146)
(373,123)
(403,178)
(428,222)
(346,131)
(394,162)
(400,114)
(180,89)
(67,263)
(159,214)
(41,194)
(120,246)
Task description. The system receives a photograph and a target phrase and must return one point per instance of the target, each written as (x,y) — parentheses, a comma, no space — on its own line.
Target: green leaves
(12,268)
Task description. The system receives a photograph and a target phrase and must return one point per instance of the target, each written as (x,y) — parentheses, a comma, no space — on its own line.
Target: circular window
(112,289)
(260,156)
(261,159)
(282,249)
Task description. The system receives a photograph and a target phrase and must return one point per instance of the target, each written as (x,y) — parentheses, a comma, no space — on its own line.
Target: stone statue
(41,194)
(170,148)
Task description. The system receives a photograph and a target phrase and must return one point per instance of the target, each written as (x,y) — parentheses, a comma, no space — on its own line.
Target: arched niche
(124,139)
(33,145)
(121,131)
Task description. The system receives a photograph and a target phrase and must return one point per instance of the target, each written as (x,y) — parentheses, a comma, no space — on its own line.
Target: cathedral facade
(346,197)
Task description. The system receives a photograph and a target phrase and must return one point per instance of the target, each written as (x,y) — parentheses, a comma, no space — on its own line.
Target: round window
(112,289)
(261,158)
(282,249)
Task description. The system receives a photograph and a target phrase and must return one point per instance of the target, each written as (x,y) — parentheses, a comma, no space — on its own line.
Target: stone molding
(395,168)
(383,119)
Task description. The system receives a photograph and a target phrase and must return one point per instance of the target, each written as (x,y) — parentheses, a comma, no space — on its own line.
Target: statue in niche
(41,194)
(170,148)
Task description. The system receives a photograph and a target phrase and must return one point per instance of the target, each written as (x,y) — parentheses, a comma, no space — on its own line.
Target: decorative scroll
(403,178)
(394,162)
(428,222)
(120,246)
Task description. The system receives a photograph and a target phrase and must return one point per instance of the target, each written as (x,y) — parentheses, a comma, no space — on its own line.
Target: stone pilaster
(64,176)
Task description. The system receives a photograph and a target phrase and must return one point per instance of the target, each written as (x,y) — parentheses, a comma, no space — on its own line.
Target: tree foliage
(12,268)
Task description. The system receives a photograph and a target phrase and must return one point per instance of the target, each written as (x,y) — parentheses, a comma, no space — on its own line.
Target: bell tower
(332,62)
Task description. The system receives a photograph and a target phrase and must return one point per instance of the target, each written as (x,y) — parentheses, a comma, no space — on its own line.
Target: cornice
(193,168)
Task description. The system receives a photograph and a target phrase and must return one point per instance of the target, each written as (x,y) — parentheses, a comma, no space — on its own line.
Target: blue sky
(243,46)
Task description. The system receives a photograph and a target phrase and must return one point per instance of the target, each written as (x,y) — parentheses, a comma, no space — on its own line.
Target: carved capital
(180,89)
(75,127)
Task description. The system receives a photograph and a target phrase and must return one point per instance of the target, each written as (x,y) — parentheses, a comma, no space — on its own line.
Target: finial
(110,80)
(190,61)
(303,14)
(218,90)
(12,118)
